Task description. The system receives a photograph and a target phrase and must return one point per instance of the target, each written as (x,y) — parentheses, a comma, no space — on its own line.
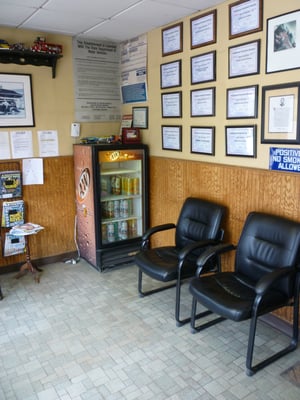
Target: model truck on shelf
(41,46)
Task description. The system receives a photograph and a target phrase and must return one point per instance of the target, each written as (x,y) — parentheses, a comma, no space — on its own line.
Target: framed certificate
(171,137)
(245,16)
(241,141)
(203,68)
(203,29)
(171,104)
(140,117)
(172,39)
(203,102)
(242,102)
(170,74)
(203,140)
(280,114)
(244,59)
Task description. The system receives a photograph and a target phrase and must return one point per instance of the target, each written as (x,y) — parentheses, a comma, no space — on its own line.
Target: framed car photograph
(16,104)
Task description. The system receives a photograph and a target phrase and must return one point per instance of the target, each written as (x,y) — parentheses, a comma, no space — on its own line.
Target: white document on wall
(32,171)
(134,70)
(48,143)
(96,67)
(4,146)
(21,144)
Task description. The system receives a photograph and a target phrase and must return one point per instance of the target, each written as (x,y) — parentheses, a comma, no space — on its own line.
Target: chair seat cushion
(232,295)
(162,263)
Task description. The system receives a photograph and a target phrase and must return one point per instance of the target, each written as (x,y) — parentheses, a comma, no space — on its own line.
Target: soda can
(132,228)
(124,230)
(124,208)
(116,185)
(116,208)
(110,209)
(104,232)
(111,233)
(135,186)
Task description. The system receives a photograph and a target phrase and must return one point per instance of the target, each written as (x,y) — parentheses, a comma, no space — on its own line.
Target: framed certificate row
(243,60)
(242,102)
(245,17)
(240,140)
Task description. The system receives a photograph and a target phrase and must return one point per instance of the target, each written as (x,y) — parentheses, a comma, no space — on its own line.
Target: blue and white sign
(284,159)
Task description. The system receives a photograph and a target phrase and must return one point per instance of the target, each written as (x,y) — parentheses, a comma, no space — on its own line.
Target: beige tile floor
(84,335)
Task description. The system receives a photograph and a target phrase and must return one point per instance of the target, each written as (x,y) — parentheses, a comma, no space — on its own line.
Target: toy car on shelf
(4,45)
(41,46)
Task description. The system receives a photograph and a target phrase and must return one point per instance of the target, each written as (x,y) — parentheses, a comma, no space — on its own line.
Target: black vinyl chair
(266,277)
(198,226)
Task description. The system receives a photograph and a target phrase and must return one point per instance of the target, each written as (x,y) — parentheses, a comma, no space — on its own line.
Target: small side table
(27,230)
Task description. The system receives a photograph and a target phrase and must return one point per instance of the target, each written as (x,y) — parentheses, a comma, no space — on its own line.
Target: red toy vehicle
(41,46)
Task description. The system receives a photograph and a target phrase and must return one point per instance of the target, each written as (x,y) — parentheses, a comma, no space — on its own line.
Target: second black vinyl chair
(198,227)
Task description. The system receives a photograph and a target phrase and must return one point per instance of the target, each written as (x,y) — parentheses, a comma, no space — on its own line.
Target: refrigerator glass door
(121,180)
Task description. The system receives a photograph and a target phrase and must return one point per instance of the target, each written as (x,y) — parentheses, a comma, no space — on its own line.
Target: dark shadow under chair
(266,277)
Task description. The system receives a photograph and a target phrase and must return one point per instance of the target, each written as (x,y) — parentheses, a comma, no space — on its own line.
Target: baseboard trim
(278,323)
(39,262)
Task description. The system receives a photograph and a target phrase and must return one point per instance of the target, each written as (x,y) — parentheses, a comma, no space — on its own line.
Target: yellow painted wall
(152,136)
(53,98)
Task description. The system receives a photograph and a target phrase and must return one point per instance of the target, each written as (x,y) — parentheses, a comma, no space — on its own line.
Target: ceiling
(115,20)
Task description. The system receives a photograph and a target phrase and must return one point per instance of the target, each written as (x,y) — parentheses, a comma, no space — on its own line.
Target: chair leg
(143,293)
(195,316)
(1,294)
(252,369)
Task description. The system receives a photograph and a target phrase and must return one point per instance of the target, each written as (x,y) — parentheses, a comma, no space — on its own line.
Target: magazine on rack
(25,229)
(12,213)
(10,184)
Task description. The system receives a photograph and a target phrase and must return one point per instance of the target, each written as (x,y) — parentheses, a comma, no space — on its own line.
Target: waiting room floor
(84,335)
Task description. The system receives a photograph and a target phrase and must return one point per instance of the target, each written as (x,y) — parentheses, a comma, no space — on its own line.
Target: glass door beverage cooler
(111,183)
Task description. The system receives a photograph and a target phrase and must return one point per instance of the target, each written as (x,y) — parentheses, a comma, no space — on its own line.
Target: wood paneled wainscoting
(241,190)
(51,205)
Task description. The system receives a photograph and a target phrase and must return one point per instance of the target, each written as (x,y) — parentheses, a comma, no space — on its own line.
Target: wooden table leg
(28,266)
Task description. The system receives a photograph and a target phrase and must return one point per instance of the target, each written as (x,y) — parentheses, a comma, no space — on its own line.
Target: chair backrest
(268,242)
(198,220)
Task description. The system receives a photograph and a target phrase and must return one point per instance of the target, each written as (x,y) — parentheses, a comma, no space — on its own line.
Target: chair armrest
(269,279)
(158,228)
(193,246)
(212,251)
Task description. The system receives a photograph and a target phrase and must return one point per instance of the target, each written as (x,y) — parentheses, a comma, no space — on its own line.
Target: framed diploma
(244,59)
(203,68)
(203,140)
(170,74)
(280,114)
(242,102)
(171,104)
(241,141)
(203,29)
(203,102)
(140,117)
(171,137)
(245,16)
(282,47)
(172,39)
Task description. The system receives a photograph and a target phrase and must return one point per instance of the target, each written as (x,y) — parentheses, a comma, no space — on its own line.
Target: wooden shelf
(30,57)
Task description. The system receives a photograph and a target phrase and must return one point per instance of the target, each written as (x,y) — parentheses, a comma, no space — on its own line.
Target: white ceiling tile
(123,19)
(49,21)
